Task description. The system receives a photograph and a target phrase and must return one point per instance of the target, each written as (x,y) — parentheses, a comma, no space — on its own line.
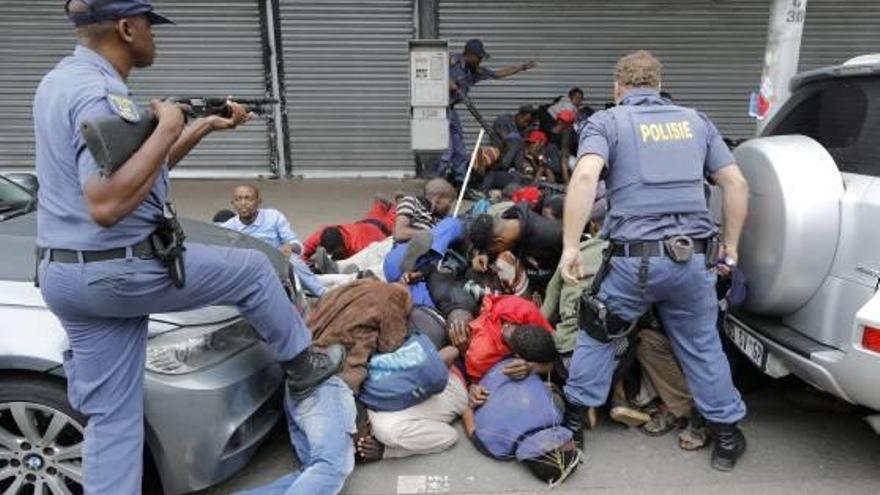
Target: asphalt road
(799,443)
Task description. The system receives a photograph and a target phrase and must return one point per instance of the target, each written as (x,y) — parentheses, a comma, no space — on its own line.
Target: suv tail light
(871,339)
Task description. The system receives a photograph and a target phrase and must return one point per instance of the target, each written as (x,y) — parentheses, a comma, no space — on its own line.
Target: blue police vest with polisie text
(658,162)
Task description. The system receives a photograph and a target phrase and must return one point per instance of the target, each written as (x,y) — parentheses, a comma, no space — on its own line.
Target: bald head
(439,186)
(246,189)
(246,202)
(441,194)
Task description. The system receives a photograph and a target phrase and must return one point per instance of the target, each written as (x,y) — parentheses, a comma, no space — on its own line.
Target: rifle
(112,140)
(479,118)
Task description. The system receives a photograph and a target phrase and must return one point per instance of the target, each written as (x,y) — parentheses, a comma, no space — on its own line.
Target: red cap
(566,116)
(537,136)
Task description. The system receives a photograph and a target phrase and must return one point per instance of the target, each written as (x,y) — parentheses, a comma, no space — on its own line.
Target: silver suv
(811,246)
(211,385)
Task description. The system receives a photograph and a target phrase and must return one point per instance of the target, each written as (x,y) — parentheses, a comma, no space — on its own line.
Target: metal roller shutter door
(837,30)
(346,69)
(713,51)
(215,50)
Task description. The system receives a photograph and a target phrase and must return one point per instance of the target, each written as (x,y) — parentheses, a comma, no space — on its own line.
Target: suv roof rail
(864,65)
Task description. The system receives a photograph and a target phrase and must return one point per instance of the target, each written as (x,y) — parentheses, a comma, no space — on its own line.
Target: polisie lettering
(668,131)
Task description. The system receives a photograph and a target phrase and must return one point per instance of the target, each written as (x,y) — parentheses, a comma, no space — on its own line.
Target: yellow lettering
(676,132)
(687,130)
(655,132)
(646,131)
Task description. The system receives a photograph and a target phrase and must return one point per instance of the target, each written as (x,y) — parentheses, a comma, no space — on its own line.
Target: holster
(594,317)
(167,241)
(680,248)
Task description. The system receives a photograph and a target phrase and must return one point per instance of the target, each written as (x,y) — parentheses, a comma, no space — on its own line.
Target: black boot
(308,369)
(730,444)
(574,421)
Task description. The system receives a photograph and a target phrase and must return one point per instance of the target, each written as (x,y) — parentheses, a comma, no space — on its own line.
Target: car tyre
(41,438)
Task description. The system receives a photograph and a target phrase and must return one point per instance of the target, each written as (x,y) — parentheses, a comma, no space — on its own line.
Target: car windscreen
(13,199)
(841,114)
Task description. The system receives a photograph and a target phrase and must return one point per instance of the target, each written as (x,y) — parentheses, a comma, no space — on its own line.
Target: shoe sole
(629,417)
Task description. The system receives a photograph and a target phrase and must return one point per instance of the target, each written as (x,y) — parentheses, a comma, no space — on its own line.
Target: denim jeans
(321,426)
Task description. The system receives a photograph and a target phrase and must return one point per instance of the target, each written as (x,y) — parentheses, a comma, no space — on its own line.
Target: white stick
(467,176)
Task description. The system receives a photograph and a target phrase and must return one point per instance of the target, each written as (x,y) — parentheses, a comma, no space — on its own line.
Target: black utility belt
(142,250)
(674,247)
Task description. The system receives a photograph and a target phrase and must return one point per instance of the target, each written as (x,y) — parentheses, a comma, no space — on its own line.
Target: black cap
(107,10)
(476,47)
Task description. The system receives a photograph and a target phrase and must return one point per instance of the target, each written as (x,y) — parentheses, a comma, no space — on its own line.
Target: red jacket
(487,347)
(357,236)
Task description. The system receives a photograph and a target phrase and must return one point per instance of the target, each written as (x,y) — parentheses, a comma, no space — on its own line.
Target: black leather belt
(650,248)
(142,250)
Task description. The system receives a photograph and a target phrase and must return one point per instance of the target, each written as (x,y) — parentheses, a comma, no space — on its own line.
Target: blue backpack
(406,377)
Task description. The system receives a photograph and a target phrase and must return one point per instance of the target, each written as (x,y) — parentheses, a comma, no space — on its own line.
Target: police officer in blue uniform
(465,71)
(98,271)
(655,156)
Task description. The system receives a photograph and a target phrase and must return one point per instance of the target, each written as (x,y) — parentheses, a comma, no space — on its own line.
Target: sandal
(662,422)
(695,436)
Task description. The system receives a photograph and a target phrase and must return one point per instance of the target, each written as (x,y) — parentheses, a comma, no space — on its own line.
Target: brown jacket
(365,316)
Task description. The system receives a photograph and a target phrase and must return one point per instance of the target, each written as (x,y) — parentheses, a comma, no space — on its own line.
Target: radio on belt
(429,94)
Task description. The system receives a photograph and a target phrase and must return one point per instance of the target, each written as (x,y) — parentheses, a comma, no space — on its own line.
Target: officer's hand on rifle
(239,116)
(570,264)
(170,115)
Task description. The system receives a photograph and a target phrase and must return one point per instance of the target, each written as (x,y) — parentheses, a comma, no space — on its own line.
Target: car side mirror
(26,180)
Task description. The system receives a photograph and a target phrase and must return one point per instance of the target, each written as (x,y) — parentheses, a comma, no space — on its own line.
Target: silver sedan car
(212,386)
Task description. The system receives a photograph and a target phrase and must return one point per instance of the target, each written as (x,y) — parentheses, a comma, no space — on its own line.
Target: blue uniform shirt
(77,88)
(464,77)
(270,226)
(686,146)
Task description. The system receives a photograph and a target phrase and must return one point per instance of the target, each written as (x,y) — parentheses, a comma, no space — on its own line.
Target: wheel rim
(40,451)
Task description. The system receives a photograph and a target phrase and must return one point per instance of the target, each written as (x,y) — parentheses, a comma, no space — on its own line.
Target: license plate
(750,346)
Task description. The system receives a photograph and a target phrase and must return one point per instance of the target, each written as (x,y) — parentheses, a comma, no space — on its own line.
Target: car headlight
(191,349)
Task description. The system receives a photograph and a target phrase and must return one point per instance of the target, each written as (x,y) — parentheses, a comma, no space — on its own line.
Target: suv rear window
(843,115)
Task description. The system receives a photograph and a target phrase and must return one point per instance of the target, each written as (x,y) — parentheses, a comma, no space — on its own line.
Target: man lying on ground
(343,241)
(535,240)
(519,418)
(271,227)
(423,428)
(365,316)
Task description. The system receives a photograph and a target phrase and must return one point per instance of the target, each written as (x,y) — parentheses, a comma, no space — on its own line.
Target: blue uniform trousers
(103,307)
(455,158)
(684,295)
(321,426)
(445,233)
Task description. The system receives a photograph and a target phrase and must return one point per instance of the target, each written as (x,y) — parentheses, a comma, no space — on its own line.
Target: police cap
(108,10)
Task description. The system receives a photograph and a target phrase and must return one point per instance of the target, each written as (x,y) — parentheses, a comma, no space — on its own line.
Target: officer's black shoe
(574,421)
(309,369)
(730,444)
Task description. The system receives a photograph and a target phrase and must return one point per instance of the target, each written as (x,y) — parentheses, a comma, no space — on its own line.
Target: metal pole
(784,34)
